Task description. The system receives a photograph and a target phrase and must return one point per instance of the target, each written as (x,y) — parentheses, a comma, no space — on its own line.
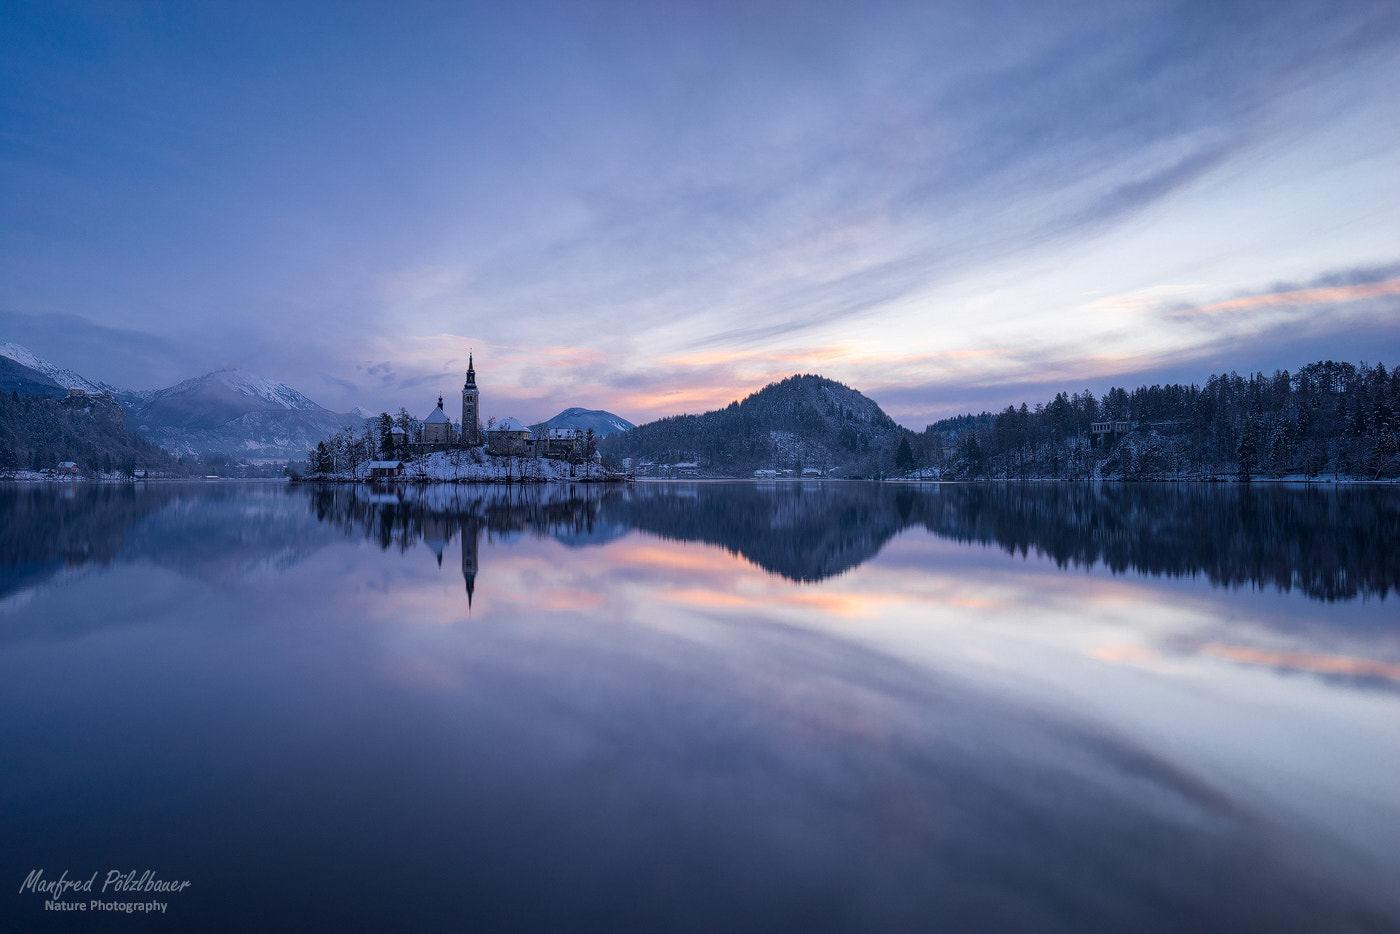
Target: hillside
(236,413)
(37,432)
(805,422)
(1326,419)
(603,423)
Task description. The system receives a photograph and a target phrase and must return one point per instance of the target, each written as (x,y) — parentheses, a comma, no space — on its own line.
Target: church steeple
(471,406)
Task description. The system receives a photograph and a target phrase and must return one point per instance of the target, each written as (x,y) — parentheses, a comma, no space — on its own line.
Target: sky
(655,208)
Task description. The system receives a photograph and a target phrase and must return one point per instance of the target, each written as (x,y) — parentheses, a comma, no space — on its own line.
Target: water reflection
(1331,543)
(706,706)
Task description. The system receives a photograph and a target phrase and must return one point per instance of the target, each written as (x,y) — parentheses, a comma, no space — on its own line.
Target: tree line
(1328,419)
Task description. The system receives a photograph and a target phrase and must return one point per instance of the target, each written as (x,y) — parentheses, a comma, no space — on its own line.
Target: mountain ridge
(602,422)
(803,423)
(65,378)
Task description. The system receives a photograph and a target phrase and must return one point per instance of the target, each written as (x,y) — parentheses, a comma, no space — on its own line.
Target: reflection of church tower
(436,534)
(471,407)
(471,537)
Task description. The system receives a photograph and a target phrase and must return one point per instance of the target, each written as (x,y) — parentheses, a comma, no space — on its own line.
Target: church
(439,434)
(506,437)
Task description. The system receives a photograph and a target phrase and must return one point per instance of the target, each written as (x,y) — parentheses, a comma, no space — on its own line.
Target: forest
(1327,419)
(37,433)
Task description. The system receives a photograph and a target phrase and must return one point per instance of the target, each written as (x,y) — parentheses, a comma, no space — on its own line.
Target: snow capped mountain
(65,378)
(603,423)
(236,413)
(264,393)
(362,412)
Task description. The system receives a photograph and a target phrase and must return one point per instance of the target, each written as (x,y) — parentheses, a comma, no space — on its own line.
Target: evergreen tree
(904,456)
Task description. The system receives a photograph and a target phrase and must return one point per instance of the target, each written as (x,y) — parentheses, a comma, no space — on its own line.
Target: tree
(385,426)
(1248,450)
(904,456)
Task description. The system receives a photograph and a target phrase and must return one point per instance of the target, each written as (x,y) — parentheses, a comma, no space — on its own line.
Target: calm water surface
(705,707)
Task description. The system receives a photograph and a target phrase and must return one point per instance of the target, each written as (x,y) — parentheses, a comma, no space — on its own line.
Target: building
(385,470)
(1108,431)
(508,436)
(471,408)
(437,430)
(560,442)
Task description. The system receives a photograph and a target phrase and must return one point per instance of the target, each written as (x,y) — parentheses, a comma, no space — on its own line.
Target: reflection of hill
(45,528)
(1331,543)
(228,532)
(804,532)
(205,531)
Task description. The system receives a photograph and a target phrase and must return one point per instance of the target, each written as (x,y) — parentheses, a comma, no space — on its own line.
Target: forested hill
(1327,419)
(37,432)
(802,423)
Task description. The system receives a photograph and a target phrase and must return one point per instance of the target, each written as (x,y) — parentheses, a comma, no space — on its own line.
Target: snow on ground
(474,464)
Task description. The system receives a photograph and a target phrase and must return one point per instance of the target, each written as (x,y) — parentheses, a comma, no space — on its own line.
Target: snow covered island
(435,450)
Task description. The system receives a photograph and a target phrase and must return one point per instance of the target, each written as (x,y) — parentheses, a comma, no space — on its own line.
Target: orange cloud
(1340,293)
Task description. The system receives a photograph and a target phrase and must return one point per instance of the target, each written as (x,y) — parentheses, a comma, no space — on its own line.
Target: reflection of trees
(206,531)
(401,516)
(805,532)
(46,527)
(1331,543)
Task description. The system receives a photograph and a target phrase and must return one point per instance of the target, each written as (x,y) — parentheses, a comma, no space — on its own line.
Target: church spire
(471,373)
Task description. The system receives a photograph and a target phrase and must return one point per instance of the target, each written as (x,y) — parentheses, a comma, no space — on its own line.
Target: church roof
(436,417)
(509,424)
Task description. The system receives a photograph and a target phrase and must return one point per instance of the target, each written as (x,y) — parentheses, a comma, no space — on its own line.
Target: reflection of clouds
(1303,661)
(751,727)
(616,718)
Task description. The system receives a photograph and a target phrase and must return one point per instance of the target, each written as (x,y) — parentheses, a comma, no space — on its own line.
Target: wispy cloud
(1330,295)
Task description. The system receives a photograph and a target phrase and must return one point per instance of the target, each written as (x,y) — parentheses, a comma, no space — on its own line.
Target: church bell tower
(471,408)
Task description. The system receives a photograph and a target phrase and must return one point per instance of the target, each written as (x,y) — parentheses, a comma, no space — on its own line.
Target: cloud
(124,357)
(1328,295)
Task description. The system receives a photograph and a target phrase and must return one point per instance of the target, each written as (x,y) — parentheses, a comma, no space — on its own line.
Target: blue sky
(659,207)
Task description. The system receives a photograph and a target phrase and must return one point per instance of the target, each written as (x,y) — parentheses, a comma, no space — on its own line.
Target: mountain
(803,422)
(236,413)
(602,423)
(38,431)
(62,377)
(217,398)
(18,378)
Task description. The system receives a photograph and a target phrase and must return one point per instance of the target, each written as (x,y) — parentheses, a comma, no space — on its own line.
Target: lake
(703,706)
